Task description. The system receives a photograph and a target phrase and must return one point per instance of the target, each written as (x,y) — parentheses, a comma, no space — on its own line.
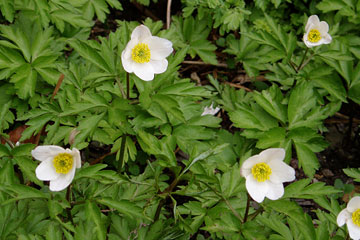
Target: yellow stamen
(63,162)
(314,36)
(356,217)
(141,53)
(261,172)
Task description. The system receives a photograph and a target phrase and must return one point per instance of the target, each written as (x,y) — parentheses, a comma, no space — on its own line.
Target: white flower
(351,216)
(145,55)
(57,165)
(265,174)
(210,110)
(316,32)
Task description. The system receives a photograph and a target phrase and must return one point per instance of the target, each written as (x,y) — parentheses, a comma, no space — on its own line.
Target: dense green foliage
(167,172)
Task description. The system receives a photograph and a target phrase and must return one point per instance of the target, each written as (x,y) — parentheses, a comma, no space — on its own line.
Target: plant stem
(226,202)
(68,210)
(123,138)
(122,152)
(302,60)
(247,208)
(293,66)
(127,85)
(306,62)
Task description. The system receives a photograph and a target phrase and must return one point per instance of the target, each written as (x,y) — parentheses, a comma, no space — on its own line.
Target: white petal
(128,49)
(250,162)
(312,20)
(354,230)
(323,27)
(272,154)
(141,33)
(275,191)
(257,190)
(42,153)
(342,217)
(62,181)
(353,204)
(160,48)
(144,71)
(46,170)
(210,110)
(326,38)
(77,158)
(281,172)
(159,66)
(127,63)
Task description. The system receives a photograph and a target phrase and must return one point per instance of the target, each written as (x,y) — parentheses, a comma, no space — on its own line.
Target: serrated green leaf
(124,207)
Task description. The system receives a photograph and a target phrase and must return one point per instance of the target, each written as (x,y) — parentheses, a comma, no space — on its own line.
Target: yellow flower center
(261,172)
(314,36)
(356,217)
(63,162)
(141,53)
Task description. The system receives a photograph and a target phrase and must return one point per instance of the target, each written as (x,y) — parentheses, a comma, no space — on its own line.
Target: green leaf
(124,207)
(353,173)
(301,101)
(7,9)
(333,85)
(22,192)
(28,166)
(89,53)
(4,151)
(93,214)
(22,150)
(292,210)
(252,117)
(89,171)
(276,225)
(204,155)
(270,100)
(271,138)
(307,159)
(303,189)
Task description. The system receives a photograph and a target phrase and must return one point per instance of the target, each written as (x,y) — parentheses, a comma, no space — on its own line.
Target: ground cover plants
(191,119)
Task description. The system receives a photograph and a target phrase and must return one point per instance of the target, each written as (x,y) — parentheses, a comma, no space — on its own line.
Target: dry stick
(224,65)
(168,14)
(57,87)
(238,86)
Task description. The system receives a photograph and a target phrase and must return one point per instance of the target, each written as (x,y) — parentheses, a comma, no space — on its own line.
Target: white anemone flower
(316,32)
(210,110)
(265,174)
(57,165)
(351,216)
(145,55)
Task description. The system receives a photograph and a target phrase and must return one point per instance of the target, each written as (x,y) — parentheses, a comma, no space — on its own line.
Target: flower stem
(122,152)
(68,210)
(306,62)
(226,202)
(123,138)
(127,85)
(247,208)
(302,60)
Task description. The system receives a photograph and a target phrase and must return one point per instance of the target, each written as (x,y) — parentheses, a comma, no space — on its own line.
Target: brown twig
(99,159)
(168,14)
(238,86)
(224,65)
(57,87)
